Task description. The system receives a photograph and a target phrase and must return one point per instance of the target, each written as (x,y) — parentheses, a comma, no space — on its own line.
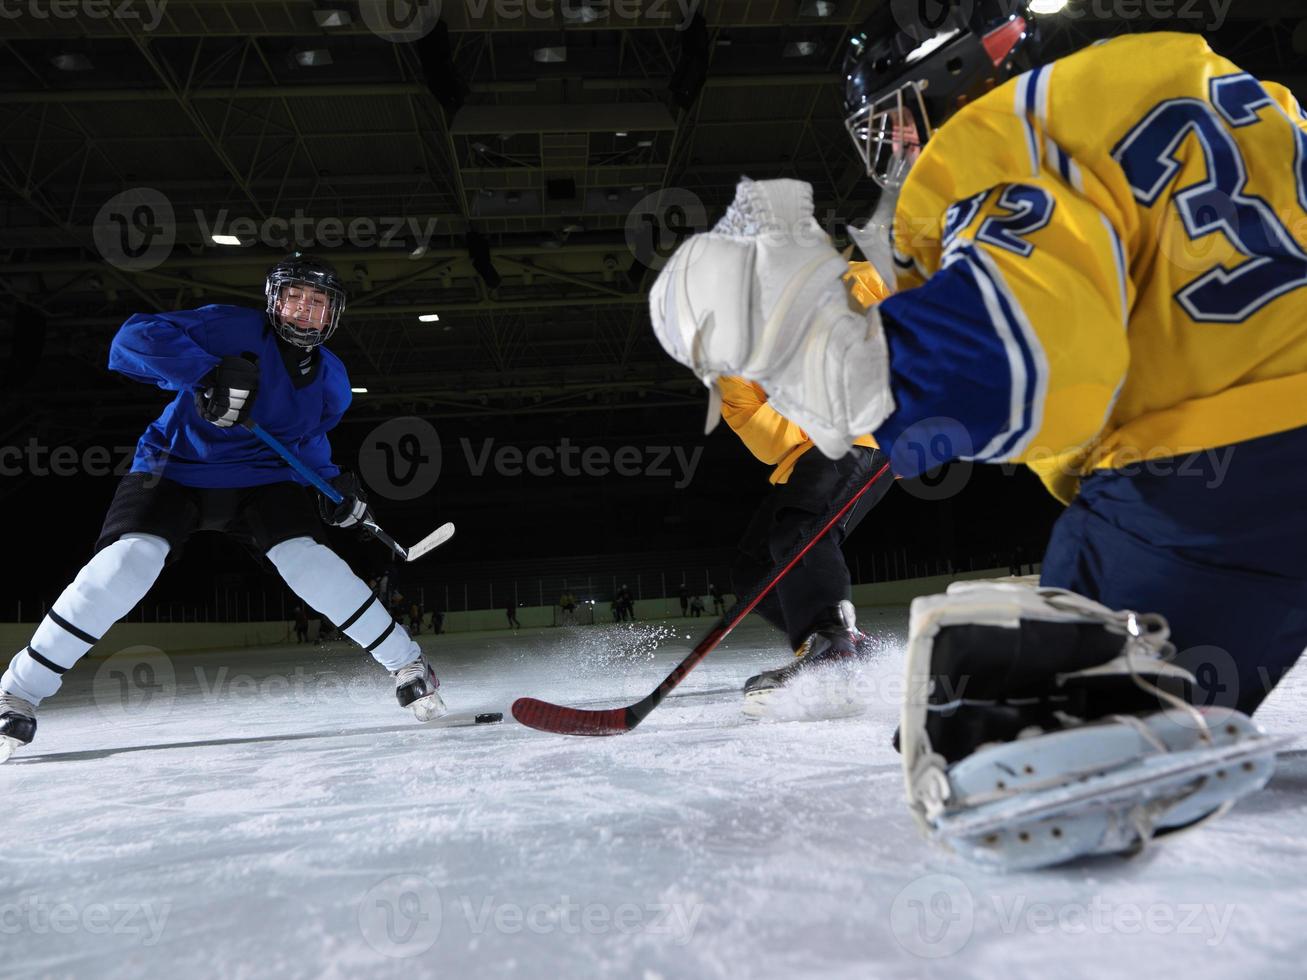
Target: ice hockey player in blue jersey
(1101,272)
(197,468)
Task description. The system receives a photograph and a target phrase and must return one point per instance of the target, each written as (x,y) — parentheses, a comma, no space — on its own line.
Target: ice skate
(418,688)
(17,724)
(1057,749)
(820,683)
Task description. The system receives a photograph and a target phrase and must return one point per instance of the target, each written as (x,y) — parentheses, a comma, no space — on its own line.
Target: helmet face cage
(305,276)
(888,133)
(897,75)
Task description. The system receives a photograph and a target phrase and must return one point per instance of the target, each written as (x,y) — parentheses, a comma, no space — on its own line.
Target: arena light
(328,17)
(225,240)
(428,318)
(69,61)
(359,391)
(312,57)
(1047,6)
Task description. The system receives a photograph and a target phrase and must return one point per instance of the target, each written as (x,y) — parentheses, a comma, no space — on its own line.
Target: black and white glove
(227,393)
(350,511)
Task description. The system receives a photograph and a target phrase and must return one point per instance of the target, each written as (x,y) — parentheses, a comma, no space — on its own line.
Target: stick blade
(559,720)
(432,541)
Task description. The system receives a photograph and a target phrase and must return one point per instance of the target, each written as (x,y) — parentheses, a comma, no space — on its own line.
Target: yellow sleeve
(1015,349)
(764,431)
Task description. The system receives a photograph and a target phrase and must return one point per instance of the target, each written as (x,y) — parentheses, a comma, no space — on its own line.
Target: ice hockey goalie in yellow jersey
(1101,269)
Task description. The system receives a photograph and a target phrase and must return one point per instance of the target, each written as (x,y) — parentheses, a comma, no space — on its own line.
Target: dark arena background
(498,183)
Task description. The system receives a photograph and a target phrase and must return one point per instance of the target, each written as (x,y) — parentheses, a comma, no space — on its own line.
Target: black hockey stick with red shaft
(562,720)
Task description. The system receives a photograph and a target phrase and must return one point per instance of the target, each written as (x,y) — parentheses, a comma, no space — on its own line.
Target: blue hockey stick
(433,540)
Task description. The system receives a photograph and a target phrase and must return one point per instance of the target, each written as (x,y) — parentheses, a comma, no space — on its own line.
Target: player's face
(307,307)
(888,134)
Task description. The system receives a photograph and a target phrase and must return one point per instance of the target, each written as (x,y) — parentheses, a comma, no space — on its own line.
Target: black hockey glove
(350,511)
(227,393)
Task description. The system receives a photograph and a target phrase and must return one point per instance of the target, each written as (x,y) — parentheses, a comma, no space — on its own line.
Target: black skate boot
(17,724)
(418,688)
(806,688)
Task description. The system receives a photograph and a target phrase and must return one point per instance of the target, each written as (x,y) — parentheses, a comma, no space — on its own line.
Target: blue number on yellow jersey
(1104,260)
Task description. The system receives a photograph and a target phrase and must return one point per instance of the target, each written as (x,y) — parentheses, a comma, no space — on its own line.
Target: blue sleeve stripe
(1025,106)
(1119,251)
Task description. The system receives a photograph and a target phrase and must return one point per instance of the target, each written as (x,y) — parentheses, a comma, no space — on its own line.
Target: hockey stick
(562,720)
(433,540)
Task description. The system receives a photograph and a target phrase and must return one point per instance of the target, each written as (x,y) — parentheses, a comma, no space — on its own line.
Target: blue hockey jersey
(177,350)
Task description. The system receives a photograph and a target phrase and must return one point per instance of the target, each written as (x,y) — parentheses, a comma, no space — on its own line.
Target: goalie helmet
(305,300)
(913,65)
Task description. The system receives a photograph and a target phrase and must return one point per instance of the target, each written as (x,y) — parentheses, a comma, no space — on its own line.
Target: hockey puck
(489,717)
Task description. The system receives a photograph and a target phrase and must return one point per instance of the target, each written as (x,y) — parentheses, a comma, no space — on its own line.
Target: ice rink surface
(164,825)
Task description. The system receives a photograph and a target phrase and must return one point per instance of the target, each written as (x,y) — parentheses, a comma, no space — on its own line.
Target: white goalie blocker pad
(762,297)
(1104,785)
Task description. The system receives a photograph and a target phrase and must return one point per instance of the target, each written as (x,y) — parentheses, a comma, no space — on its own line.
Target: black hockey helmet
(912,65)
(317,322)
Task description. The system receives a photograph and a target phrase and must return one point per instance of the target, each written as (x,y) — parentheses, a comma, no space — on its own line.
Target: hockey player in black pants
(196,468)
(811,604)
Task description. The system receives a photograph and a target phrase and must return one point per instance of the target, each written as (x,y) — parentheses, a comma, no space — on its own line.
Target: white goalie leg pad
(1080,786)
(104,591)
(762,297)
(322,578)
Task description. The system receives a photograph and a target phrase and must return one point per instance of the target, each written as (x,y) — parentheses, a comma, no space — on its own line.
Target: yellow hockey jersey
(1102,261)
(770,436)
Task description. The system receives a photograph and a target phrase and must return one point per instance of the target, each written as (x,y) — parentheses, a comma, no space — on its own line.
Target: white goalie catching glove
(762,296)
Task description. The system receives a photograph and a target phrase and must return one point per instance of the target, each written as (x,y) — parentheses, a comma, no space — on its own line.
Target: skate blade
(1097,815)
(429,708)
(8,746)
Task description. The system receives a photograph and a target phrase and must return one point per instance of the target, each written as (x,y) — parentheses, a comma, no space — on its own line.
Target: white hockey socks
(322,579)
(105,591)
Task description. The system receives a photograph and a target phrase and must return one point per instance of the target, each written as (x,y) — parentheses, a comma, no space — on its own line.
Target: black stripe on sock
(382,638)
(47,664)
(357,613)
(68,627)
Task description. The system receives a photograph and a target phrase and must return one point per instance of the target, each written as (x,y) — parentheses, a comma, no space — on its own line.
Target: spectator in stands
(718,602)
